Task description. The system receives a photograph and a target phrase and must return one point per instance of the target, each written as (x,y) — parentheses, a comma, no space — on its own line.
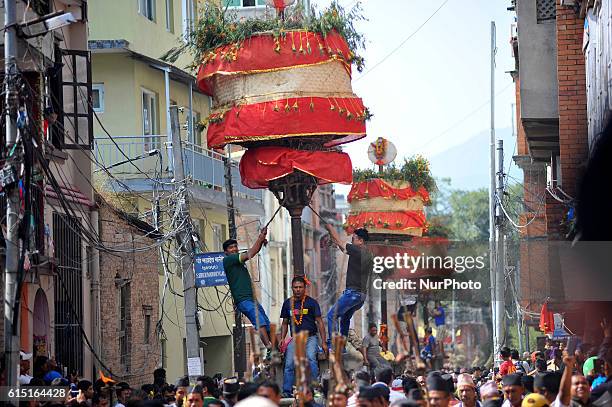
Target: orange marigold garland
(301,310)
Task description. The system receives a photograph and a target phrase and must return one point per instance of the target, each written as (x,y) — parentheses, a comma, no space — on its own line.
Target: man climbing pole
(301,313)
(241,286)
(358,271)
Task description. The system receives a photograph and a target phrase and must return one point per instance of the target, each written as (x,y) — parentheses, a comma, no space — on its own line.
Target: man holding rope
(358,271)
(241,285)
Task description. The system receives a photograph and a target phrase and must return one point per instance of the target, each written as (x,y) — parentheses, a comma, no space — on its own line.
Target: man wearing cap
(124,391)
(360,264)
(489,391)
(467,391)
(512,385)
(231,387)
(384,377)
(24,368)
(241,286)
(438,391)
(373,396)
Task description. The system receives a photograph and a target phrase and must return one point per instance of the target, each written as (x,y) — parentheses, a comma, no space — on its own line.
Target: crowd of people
(554,377)
(539,379)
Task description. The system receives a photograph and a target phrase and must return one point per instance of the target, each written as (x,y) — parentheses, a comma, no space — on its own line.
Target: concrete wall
(538,63)
(123,88)
(146,37)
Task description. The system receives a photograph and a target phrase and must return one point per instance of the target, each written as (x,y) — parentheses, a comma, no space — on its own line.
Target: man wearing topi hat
(512,386)
(438,391)
(489,391)
(467,391)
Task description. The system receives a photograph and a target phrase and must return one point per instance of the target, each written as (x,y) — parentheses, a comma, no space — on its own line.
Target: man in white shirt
(24,368)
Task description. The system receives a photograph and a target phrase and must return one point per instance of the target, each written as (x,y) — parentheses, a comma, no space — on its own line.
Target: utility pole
(238,334)
(500,239)
(185,242)
(11,338)
(492,255)
(383,293)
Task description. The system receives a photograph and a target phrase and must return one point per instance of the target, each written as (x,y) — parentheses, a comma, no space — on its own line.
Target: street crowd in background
(554,376)
(551,377)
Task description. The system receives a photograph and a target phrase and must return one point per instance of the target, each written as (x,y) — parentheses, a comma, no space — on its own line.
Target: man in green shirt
(240,284)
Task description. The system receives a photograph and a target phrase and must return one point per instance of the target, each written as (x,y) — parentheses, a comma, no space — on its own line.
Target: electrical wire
(401,44)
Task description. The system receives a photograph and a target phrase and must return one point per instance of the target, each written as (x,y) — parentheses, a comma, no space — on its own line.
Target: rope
(273,216)
(319,216)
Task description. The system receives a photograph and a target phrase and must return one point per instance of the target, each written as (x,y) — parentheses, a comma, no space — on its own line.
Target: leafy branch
(414,170)
(219,26)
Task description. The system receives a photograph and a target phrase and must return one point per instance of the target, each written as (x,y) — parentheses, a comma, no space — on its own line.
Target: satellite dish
(382,151)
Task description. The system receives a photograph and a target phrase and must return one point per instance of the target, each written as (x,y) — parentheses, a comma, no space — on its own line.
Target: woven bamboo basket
(329,79)
(407,232)
(380,204)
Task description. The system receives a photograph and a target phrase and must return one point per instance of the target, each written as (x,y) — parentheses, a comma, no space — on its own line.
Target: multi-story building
(139,101)
(554,130)
(54,67)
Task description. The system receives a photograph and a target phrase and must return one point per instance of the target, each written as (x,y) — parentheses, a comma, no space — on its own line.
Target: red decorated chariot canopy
(261,165)
(296,85)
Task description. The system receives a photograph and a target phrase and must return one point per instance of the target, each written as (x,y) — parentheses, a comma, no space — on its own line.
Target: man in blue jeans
(241,287)
(301,313)
(357,276)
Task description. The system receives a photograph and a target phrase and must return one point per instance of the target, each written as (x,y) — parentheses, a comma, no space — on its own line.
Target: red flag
(547,320)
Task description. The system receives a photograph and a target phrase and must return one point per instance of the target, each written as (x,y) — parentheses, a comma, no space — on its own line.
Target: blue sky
(437,78)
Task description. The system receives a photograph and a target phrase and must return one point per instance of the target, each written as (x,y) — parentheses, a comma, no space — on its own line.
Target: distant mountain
(467,164)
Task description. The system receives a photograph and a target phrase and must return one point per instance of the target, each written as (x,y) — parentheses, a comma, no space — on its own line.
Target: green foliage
(218,26)
(470,215)
(414,170)
(464,215)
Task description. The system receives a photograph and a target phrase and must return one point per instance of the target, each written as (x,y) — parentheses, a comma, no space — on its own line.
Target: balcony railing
(204,166)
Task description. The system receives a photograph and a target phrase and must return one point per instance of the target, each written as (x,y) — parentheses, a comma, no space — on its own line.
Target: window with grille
(125,325)
(68,292)
(546,10)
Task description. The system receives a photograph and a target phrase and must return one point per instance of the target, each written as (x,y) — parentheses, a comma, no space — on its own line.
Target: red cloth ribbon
(379,188)
(262,53)
(295,117)
(396,221)
(260,165)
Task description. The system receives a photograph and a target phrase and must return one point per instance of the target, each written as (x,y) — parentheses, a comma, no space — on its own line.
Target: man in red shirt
(507,366)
